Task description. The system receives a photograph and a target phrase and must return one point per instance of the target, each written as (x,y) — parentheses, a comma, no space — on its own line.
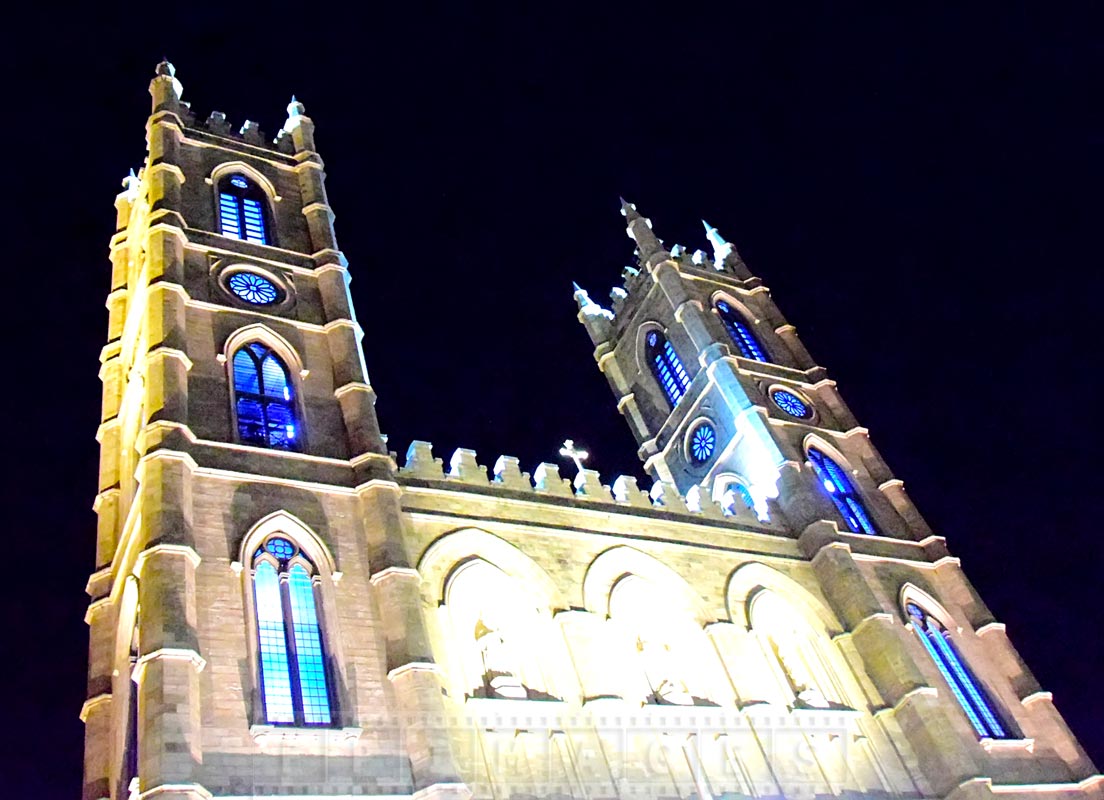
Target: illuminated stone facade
(723,635)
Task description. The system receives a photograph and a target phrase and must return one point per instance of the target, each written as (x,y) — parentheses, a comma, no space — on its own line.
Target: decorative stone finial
(130,182)
(166,68)
(570,451)
(628,210)
(295,108)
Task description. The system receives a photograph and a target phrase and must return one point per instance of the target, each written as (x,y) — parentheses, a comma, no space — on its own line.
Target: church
(282,606)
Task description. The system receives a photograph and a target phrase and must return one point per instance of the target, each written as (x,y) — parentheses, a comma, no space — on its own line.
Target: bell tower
(722,395)
(236,406)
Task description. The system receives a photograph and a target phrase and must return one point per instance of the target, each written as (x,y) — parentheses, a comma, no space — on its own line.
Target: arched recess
(653,630)
(793,631)
(286,523)
(617,562)
(911,593)
(259,332)
(288,526)
(494,620)
(454,548)
(124,690)
(749,578)
(732,493)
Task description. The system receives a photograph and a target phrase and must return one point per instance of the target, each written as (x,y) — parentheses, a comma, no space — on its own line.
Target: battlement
(464,470)
(649,252)
(167,90)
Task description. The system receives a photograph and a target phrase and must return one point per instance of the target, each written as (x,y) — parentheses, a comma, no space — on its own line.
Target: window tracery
(294,680)
(263,400)
(963,685)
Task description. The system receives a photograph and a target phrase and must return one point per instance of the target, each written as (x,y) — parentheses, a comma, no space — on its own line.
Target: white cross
(578,456)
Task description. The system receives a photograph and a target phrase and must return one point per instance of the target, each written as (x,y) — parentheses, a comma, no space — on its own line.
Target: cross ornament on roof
(570,451)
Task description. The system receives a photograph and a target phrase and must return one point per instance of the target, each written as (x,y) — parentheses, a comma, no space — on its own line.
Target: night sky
(921,193)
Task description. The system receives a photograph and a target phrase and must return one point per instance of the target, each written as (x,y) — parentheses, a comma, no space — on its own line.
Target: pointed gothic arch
(243,199)
(264,375)
(795,631)
(836,479)
(939,635)
(740,325)
(657,357)
(288,576)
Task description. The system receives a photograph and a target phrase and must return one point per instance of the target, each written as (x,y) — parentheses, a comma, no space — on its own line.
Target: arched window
(740,332)
(796,648)
(263,399)
(833,479)
(294,682)
(241,205)
(965,688)
(666,366)
(494,622)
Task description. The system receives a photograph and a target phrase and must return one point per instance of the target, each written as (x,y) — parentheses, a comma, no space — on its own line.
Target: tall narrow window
(833,479)
(263,399)
(294,683)
(666,366)
(241,206)
(964,686)
(740,333)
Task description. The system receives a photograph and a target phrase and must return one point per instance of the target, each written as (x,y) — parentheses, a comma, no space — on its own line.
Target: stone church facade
(281,607)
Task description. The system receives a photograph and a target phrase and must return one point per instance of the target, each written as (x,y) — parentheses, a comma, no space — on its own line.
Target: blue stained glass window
(703,441)
(791,404)
(308,649)
(275,673)
(833,479)
(253,288)
(964,686)
(294,679)
(666,366)
(263,398)
(281,548)
(740,333)
(241,209)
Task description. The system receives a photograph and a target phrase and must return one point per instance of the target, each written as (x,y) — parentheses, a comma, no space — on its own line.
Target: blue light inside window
(265,410)
(253,288)
(838,487)
(666,367)
(702,443)
(740,333)
(275,674)
(308,649)
(963,685)
(281,548)
(791,404)
(241,209)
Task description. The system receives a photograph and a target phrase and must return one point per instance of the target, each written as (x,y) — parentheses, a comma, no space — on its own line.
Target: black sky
(920,191)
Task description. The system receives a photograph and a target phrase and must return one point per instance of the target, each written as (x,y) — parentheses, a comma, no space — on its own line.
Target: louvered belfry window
(241,210)
(263,399)
(740,333)
(666,366)
(294,680)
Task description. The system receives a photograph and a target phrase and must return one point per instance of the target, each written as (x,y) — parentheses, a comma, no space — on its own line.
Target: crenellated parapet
(465,473)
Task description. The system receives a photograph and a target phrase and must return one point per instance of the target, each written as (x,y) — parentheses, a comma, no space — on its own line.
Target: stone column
(167,673)
(96,713)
